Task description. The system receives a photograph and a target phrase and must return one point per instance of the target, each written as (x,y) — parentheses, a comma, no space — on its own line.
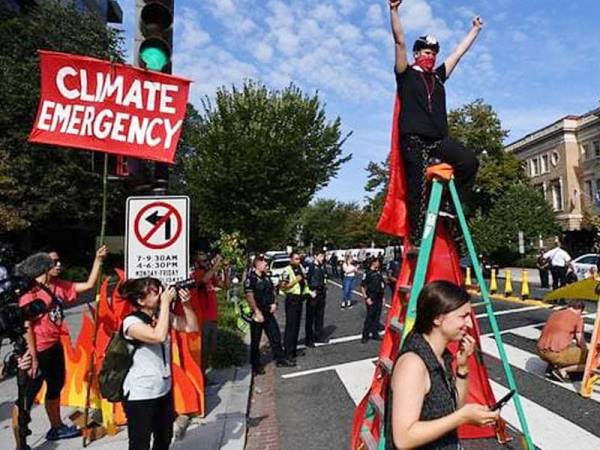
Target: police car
(276,267)
(584,263)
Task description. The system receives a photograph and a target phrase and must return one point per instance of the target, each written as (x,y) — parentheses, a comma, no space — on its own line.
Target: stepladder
(591,374)
(436,258)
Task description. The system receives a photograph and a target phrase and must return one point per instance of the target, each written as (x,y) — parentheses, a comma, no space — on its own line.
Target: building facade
(562,160)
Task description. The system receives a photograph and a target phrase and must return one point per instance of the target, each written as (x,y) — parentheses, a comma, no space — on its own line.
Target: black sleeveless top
(441,399)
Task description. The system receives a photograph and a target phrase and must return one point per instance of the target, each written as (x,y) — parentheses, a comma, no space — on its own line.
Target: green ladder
(424,254)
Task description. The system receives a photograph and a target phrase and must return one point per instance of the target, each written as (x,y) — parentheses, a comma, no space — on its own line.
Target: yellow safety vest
(295,289)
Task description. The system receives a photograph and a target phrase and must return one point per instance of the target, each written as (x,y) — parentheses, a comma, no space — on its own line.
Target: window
(556,192)
(589,190)
(539,188)
(591,259)
(535,167)
(585,151)
(544,166)
(554,159)
(597,149)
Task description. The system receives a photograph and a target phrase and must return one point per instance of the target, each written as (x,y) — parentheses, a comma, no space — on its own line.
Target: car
(276,267)
(584,263)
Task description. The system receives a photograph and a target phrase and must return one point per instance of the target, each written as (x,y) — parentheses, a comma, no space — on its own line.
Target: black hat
(35,265)
(426,42)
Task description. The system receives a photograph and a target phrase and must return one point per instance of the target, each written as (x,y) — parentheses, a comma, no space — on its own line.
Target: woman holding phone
(427,396)
(147,387)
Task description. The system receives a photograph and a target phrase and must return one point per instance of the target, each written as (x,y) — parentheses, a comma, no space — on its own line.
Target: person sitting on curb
(562,344)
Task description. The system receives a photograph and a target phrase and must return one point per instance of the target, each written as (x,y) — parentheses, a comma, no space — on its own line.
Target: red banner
(92,104)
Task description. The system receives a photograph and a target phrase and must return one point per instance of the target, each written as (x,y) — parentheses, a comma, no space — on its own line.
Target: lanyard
(429,89)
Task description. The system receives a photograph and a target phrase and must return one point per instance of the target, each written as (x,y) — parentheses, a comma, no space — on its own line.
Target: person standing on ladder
(423,119)
(427,396)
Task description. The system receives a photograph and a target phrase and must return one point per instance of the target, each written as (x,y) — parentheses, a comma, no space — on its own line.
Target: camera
(13,316)
(185,284)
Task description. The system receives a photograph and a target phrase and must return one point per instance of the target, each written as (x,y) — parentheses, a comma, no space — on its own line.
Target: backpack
(117,362)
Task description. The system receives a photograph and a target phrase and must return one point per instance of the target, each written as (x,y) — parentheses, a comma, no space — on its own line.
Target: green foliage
(42,187)
(340,225)
(231,350)
(232,246)
(477,126)
(521,208)
(256,159)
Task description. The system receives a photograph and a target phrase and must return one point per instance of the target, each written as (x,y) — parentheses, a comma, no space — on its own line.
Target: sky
(535,61)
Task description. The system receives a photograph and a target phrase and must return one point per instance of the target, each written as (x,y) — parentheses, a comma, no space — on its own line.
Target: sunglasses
(56,262)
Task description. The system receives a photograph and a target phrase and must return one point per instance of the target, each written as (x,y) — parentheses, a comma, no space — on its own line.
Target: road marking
(549,431)
(509,311)
(327,368)
(340,340)
(528,362)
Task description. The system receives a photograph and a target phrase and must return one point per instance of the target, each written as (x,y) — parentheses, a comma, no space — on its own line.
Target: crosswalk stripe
(510,311)
(528,362)
(549,431)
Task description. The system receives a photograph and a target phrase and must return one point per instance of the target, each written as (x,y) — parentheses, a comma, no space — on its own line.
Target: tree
(257,157)
(477,125)
(47,190)
(521,208)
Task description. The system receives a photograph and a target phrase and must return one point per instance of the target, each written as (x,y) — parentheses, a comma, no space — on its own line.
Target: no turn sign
(156,238)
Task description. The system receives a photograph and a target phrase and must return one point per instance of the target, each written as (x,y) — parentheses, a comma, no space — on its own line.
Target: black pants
(271,328)
(51,363)
(544,278)
(370,327)
(414,149)
(315,317)
(293,316)
(559,276)
(150,418)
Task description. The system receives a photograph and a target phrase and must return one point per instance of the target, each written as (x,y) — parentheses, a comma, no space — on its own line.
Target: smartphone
(503,401)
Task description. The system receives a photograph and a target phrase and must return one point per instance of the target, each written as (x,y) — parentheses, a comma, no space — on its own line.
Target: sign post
(156,238)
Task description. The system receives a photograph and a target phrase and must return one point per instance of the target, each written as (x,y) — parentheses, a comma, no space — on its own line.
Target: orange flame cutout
(188,380)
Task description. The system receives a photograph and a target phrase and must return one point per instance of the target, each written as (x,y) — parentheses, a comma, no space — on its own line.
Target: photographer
(147,387)
(43,334)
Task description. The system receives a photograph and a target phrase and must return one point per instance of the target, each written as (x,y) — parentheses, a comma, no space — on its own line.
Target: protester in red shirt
(43,333)
(562,343)
(208,277)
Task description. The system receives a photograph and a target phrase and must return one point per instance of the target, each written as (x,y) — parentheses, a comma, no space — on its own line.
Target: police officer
(296,290)
(315,303)
(373,289)
(260,294)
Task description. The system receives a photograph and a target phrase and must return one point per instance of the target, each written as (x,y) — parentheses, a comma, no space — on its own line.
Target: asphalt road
(316,400)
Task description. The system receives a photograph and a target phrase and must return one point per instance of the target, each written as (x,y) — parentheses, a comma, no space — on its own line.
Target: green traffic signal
(155,54)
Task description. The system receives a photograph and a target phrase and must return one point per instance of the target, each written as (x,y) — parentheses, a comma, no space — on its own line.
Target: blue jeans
(347,289)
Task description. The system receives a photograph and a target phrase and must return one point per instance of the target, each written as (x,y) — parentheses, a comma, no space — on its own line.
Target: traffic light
(153,49)
(154,34)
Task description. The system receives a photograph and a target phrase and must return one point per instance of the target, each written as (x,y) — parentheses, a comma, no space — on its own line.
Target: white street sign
(156,238)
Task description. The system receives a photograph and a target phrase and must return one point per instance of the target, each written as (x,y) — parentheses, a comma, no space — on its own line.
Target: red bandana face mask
(425,62)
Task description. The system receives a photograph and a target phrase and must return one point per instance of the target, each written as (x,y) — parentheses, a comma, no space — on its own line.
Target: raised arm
(464,46)
(399,40)
(94,273)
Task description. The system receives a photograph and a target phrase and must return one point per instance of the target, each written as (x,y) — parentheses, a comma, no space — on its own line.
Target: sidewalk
(224,426)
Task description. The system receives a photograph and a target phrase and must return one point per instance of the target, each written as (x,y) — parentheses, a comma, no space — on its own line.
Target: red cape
(443,265)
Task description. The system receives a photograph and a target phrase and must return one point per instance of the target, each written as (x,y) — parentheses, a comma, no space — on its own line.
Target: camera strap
(55,300)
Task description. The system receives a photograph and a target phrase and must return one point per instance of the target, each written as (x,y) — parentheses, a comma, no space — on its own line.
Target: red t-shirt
(47,328)
(560,330)
(204,297)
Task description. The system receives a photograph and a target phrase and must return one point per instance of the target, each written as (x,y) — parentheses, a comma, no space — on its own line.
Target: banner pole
(91,373)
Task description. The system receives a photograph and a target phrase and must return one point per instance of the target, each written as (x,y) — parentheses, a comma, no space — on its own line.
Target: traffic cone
(508,284)
(493,283)
(524,285)
(468,281)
